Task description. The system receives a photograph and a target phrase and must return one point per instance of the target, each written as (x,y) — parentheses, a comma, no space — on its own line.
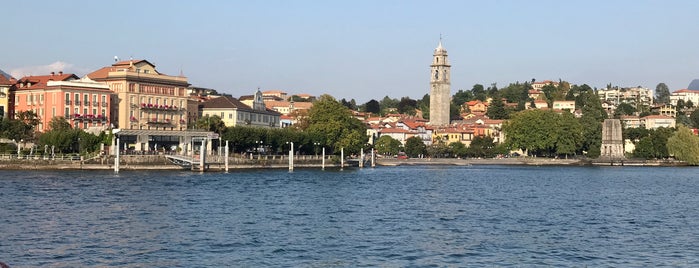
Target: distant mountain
(694,85)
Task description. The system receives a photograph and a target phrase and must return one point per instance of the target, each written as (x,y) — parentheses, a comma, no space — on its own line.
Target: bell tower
(440,87)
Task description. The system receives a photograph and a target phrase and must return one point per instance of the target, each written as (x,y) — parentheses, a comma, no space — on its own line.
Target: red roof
(394,130)
(41,80)
(686,91)
(5,81)
(129,62)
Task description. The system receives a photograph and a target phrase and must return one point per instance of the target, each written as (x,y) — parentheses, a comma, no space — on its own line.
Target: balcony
(149,106)
(77,103)
(160,122)
(88,117)
(69,102)
(87,103)
(104,104)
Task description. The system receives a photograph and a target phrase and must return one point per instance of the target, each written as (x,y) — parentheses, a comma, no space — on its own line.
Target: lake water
(388,217)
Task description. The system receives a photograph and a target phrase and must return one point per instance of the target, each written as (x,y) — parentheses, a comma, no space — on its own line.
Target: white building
(685,95)
(630,95)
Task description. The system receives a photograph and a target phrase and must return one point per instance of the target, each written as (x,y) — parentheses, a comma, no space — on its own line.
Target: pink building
(84,103)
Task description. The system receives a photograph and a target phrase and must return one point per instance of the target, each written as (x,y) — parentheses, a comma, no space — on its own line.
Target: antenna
(116,58)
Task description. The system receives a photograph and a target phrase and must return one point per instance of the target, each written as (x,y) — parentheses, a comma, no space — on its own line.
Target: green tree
(212,123)
(591,120)
(684,146)
(386,145)
(458,149)
(654,146)
(569,135)
(461,97)
(478,92)
(372,106)
(414,147)
(387,104)
(516,92)
(424,106)
(406,105)
(15,129)
(439,150)
(624,109)
(662,94)
(680,105)
(482,147)
(694,117)
(531,130)
(497,110)
(335,126)
(59,123)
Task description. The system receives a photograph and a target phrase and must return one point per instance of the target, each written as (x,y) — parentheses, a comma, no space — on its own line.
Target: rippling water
(387,217)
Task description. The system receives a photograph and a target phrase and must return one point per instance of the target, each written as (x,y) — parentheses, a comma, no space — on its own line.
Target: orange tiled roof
(686,91)
(41,80)
(395,130)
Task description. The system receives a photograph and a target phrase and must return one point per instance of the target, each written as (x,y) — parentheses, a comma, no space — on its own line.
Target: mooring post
(116,159)
(226,156)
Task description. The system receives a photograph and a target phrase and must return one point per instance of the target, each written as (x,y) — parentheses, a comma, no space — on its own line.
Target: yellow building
(235,113)
(146,98)
(6,82)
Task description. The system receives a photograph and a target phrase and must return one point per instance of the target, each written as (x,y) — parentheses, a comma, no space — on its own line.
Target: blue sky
(361,49)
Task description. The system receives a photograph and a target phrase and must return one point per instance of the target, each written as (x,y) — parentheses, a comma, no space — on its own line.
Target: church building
(440,87)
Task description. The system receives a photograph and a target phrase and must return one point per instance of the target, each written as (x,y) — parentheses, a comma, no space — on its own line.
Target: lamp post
(322,165)
(291,156)
(315,149)
(258,146)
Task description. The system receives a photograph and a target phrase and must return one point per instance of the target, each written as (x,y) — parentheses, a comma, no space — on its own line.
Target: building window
(67,96)
(222,115)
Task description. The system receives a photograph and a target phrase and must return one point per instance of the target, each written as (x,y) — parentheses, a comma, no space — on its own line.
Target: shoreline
(240,164)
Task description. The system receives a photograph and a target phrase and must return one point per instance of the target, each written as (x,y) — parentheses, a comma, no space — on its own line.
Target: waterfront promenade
(217,163)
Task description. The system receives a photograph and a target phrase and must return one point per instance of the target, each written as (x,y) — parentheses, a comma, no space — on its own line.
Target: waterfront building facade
(147,99)
(235,113)
(440,87)
(84,103)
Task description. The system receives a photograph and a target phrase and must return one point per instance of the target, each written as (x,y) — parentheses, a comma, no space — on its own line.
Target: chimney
(60,72)
(52,73)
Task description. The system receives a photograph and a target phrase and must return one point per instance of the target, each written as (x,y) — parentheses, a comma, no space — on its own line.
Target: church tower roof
(440,49)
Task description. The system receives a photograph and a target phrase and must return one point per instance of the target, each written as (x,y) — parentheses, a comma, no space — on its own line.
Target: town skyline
(354,50)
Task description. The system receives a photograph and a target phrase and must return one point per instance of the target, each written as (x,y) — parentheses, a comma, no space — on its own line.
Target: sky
(361,49)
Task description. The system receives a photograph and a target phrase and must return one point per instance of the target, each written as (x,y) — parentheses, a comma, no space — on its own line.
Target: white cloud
(58,66)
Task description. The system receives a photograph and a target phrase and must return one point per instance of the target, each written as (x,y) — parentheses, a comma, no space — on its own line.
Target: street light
(258,146)
(316,144)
